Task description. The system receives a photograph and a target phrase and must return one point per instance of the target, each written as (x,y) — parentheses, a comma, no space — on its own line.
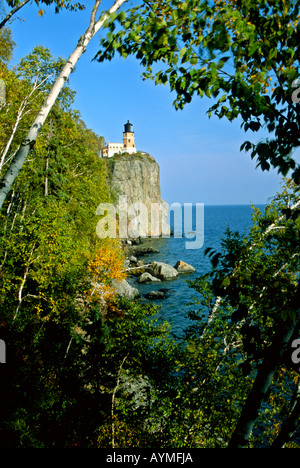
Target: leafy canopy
(59,4)
(243,54)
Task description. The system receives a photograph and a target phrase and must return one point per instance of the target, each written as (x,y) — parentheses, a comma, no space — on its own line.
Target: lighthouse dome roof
(128,127)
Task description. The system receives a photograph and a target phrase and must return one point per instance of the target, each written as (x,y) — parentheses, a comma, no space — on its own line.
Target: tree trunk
(113,402)
(290,425)
(29,141)
(21,113)
(272,359)
(7,146)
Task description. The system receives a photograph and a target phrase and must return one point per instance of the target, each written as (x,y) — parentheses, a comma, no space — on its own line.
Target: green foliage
(40,67)
(244,55)
(65,344)
(48,235)
(138,155)
(88,372)
(245,299)
(59,4)
(6,45)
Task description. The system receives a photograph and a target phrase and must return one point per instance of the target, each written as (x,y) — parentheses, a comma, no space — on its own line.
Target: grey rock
(123,288)
(148,278)
(133,259)
(163,271)
(166,292)
(155,295)
(136,178)
(183,267)
(138,250)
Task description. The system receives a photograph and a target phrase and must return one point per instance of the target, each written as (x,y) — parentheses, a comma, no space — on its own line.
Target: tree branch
(12,12)
(29,141)
(113,402)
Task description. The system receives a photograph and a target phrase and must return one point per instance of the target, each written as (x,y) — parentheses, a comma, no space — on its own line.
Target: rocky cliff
(135,182)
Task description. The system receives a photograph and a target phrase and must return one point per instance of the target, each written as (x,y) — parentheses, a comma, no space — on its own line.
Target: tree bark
(113,402)
(21,113)
(29,141)
(262,384)
(12,12)
(290,425)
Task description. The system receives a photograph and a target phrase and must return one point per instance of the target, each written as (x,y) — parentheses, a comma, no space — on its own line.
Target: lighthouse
(128,145)
(128,138)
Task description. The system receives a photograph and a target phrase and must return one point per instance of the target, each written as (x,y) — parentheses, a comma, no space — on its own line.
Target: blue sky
(199,158)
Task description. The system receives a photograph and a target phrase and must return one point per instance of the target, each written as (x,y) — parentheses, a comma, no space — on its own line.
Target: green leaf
(226,282)
(174,14)
(254,126)
(194,60)
(182,52)
(223,98)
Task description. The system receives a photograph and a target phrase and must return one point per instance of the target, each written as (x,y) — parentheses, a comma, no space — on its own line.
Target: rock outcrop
(124,289)
(135,181)
(155,295)
(163,271)
(183,267)
(148,278)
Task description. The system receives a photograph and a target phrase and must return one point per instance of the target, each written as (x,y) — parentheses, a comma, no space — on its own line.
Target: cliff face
(135,182)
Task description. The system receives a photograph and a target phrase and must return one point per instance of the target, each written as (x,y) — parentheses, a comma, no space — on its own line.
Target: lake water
(216,220)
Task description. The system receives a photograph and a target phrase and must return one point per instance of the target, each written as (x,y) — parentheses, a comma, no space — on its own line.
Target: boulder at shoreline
(155,295)
(143,250)
(148,278)
(123,288)
(163,271)
(182,267)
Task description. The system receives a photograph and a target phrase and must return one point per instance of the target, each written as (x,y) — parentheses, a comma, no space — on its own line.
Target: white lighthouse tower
(128,138)
(128,145)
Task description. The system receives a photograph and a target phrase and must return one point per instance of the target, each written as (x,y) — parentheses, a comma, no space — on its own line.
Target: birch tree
(242,54)
(25,87)
(32,134)
(23,110)
(265,375)
(256,280)
(14,10)
(292,422)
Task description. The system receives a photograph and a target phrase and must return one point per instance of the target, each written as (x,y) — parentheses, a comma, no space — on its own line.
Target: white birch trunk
(29,141)
(265,374)
(7,146)
(21,113)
